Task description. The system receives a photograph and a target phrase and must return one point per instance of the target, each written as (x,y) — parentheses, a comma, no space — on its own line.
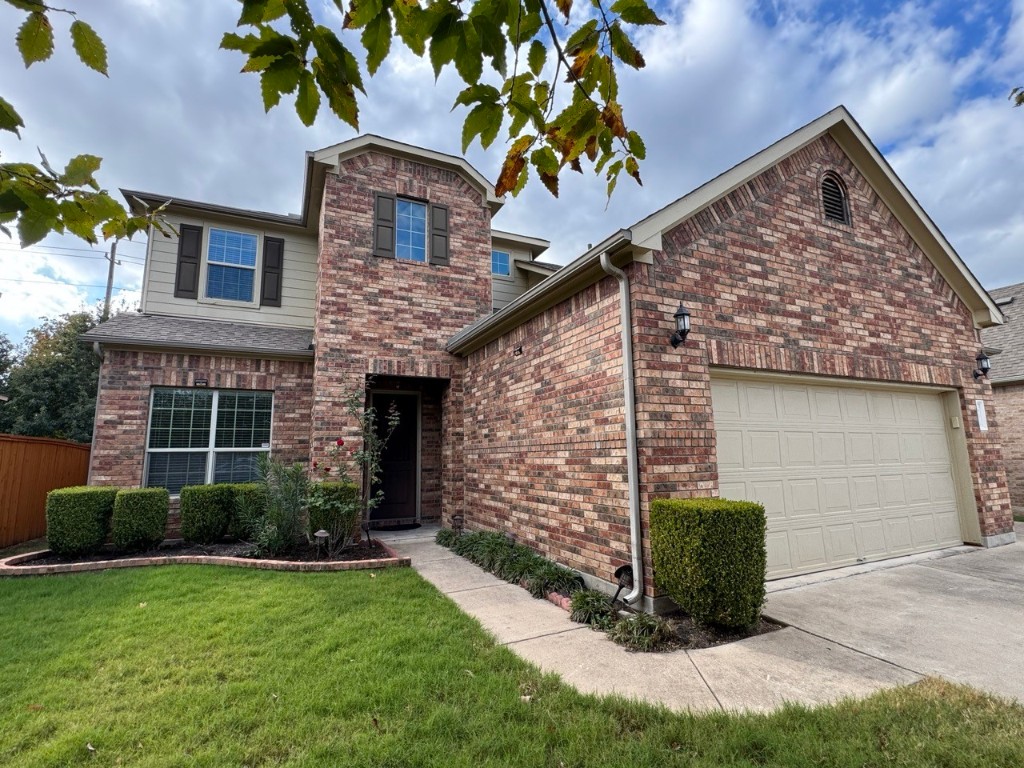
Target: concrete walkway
(757,674)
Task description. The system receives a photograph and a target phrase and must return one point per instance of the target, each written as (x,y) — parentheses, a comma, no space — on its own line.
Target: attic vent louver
(833,198)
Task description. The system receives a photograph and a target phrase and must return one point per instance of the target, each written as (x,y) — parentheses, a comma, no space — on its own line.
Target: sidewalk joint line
(704,680)
(858,650)
(546,634)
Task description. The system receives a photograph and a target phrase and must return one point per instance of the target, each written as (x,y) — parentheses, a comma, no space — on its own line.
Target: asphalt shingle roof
(1008,365)
(159,332)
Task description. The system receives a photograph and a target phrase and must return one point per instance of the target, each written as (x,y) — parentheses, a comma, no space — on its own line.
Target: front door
(399,470)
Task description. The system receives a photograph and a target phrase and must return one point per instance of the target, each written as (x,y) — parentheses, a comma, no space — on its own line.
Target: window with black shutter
(273,270)
(190,250)
(833,199)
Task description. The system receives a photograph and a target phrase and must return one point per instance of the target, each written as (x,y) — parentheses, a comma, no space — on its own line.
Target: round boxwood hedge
(206,512)
(140,518)
(78,518)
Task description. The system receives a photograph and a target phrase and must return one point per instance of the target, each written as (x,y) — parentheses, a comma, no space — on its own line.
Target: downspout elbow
(629,396)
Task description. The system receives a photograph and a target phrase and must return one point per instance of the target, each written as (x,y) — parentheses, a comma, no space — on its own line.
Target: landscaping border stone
(11,566)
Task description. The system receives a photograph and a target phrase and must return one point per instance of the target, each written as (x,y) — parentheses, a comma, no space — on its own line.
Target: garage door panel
(844,474)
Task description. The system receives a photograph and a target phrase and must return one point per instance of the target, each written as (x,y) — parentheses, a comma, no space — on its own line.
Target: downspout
(629,395)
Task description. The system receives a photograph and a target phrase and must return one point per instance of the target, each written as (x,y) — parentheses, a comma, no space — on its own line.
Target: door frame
(419,434)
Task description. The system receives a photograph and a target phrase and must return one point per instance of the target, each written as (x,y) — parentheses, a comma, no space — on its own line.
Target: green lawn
(184,665)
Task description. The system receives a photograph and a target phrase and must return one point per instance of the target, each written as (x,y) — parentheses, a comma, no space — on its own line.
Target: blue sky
(927,80)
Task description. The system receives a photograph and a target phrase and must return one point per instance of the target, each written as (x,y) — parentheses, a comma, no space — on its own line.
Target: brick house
(1008,384)
(828,371)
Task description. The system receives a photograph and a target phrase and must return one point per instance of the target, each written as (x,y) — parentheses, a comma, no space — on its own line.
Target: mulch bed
(302,554)
(690,636)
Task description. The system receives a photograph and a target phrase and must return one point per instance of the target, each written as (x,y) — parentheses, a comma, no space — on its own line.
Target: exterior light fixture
(682,318)
(458,522)
(984,365)
(321,537)
(201,382)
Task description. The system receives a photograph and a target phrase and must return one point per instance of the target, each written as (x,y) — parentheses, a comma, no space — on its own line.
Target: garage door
(845,474)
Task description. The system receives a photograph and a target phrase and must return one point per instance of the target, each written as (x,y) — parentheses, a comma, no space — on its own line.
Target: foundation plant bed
(362,556)
(635,630)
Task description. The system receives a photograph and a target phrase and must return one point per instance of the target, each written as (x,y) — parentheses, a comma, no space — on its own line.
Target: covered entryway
(399,462)
(846,473)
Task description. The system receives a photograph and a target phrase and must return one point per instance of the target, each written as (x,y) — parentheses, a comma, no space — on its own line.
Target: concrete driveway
(960,617)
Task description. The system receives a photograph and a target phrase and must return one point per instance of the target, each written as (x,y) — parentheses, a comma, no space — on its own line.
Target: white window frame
(499,275)
(426,230)
(210,450)
(204,265)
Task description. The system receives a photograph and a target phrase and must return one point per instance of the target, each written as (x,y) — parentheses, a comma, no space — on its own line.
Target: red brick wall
(1009,401)
(122,408)
(544,434)
(772,285)
(390,317)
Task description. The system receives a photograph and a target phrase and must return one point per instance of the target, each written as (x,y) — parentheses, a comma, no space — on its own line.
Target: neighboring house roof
(336,153)
(1008,365)
(646,235)
(210,336)
(534,245)
(155,200)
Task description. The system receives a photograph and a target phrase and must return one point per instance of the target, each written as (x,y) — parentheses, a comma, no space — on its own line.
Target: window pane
(231,283)
(243,419)
(411,230)
(228,247)
(180,418)
(235,467)
(175,470)
(500,263)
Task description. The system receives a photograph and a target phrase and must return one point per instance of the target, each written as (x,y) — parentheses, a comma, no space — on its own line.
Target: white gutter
(629,395)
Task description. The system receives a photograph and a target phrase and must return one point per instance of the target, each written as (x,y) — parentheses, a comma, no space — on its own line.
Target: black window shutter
(273,269)
(439,234)
(190,249)
(384,225)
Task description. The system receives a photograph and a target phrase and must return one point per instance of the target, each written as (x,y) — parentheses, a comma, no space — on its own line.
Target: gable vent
(833,198)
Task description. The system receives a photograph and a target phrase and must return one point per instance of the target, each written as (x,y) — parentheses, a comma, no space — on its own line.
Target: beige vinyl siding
(298,287)
(504,290)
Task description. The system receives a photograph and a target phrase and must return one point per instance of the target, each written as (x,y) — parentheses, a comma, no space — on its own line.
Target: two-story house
(827,371)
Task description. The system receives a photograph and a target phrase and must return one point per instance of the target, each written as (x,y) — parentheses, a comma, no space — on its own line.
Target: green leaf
(307,102)
(275,44)
(280,77)
(89,46)
(480,92)
(469,60)
(252,12)
(35,39)
(300,19)
(77,220)
(34,226)
(538,55)
(79,171)
(484,120)
(443,45)
(584,38)
(544,160)
(492,42)
(10,120)
(340,96)
(101,206)
(636,145)
(635,12)
(411,25)
(28,5)
(623,47)
(376,40)
(235,42)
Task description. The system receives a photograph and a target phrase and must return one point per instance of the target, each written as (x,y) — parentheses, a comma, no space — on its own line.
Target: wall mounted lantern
(984,365)
(200,381)
(682,318)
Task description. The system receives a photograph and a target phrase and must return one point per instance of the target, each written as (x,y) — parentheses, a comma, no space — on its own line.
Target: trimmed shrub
(140,518)
(78,518)
(206,512)
(592,607)
(641,632)
(446,537)
(709,556)
(334,507)
(248,503)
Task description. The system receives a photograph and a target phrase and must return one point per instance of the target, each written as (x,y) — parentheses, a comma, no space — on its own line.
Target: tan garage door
(845,474)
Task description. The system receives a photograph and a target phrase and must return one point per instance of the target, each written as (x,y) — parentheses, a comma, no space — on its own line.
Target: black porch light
(984,365)
(682,318)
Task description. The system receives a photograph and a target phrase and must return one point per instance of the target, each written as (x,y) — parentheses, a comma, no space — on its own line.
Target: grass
(202,666)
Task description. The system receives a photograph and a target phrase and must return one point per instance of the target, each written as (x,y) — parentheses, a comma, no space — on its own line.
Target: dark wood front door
(399,459)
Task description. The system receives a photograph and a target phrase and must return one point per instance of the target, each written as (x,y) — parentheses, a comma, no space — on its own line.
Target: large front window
(200,436)
(230,265)
(411,230)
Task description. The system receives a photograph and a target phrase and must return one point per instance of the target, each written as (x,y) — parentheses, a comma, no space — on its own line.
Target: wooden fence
(30,467)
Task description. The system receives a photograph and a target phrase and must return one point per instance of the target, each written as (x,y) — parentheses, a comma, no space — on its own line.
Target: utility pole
(112,256)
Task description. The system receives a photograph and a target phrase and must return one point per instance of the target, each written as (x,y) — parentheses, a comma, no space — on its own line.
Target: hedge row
(709,556)
(79,519)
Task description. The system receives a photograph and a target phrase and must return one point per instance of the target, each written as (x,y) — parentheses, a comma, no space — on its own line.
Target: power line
(62,282)
(62,247)
(126,258)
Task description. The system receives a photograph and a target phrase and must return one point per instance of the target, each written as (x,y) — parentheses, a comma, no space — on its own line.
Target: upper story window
(413,230)
(231,268)
(200,436)
(833,199)
(501,263)
(229,265)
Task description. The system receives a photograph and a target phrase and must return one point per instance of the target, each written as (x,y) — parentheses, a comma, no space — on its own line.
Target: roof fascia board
(537,269)
(568,281)
(869,161)
(210,209)
(535,244)
(334,154)
(126,343)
